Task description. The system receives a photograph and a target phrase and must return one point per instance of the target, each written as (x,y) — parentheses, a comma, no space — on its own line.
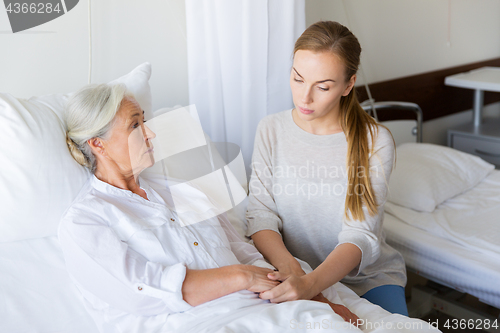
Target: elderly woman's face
(128,145)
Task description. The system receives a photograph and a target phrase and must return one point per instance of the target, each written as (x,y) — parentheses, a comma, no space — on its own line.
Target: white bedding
(444,261)
(36,295)
(471,219)
(458,244)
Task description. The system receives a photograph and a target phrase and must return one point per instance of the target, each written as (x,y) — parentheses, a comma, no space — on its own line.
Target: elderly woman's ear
(96,146)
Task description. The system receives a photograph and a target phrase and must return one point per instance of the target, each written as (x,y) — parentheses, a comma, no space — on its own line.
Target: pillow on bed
(427,175)
(38,176)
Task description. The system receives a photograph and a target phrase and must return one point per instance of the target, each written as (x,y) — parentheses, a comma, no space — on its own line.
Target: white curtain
(239,61)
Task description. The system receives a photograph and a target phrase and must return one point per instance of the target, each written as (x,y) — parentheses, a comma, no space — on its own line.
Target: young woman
(319,181)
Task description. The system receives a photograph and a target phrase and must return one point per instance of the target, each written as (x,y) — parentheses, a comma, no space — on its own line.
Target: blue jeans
(390,297)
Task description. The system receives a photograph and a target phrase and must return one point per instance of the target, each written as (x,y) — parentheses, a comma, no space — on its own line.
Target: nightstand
(478,137)
(483,141)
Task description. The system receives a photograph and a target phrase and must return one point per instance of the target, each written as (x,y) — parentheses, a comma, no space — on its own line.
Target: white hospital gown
(128,258)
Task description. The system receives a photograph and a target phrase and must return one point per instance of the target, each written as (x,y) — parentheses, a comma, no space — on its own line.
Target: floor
(445,322)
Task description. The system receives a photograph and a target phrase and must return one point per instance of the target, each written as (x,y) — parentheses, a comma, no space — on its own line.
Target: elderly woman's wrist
(241,275)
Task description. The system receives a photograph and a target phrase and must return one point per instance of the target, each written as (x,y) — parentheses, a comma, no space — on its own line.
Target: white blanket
(444,261)
(471,219)
(36,295)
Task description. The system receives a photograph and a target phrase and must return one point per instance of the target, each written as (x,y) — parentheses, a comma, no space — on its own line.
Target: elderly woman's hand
(256,278)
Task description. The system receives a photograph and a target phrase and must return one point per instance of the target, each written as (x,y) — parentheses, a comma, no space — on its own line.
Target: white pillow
(38,176)
(427,175)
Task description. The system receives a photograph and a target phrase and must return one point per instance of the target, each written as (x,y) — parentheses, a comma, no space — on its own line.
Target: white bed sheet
(37,295)
(445,261)
(471,219)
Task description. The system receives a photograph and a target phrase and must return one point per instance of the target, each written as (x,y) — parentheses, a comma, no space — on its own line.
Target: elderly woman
(136,266)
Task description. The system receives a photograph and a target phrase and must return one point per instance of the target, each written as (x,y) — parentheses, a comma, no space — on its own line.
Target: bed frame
(436,294)
(402,130)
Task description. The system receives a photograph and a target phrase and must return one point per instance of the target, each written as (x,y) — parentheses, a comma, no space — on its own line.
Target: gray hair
(90,113)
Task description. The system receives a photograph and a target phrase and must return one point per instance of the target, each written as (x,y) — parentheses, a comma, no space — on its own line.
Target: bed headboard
(402,130)
(429,91)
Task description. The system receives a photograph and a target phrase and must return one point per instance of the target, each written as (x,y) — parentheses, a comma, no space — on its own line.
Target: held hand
(257,279)
(293,288)
(285,272)
(341,310)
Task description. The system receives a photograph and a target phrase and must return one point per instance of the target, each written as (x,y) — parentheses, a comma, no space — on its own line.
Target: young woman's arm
(264,223)
(271,245)
(337,265)
(245,252)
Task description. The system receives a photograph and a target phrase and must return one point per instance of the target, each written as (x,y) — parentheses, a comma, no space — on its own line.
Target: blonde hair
(90,113)
(328,36)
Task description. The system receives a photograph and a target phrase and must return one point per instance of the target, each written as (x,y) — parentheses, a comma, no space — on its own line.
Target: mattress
(445,261)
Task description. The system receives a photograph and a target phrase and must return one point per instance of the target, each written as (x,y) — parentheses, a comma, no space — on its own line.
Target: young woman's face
(318,82)
(129,143)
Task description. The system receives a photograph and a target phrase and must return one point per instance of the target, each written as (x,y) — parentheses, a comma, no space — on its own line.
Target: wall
(54,57)
(399,38)
(406,37)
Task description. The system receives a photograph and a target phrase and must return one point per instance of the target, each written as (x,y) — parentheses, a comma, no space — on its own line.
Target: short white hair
(90,113)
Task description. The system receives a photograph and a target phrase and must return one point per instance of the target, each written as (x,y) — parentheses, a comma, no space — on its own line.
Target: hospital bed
(38,181)
(457,242)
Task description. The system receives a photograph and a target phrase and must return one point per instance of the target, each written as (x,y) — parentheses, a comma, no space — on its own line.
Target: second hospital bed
(456,243)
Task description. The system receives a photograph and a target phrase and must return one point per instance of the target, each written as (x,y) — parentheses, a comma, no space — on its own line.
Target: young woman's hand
(256,278)
(292,288)
(285,272)
(341,310)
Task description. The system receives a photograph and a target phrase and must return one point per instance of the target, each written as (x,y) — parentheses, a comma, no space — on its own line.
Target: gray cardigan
(298,189)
